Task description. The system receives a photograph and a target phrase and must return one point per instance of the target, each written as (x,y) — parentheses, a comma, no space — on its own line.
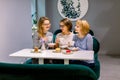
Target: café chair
(55,33)
(96,47)
(91,32)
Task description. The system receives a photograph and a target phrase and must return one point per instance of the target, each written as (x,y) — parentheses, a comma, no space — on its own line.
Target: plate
(73,48)
(65,52)
(56,51)
(32,51)
(64,46)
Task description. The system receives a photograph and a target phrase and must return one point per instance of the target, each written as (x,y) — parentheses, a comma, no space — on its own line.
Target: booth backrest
(55,33)
(96,45)
(10,71)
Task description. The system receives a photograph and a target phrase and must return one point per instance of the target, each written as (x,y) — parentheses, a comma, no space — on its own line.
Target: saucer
(32,51)
(64,46)
(73,48)
(65,52)
(56,51)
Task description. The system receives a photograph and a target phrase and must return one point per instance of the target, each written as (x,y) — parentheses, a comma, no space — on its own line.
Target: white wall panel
(15,28)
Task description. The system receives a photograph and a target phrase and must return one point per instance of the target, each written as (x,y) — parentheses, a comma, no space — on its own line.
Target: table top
(49,54)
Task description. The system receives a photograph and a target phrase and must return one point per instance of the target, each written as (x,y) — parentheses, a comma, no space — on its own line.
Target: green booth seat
(29,61)
(55,33)
(96,47)
(11,71)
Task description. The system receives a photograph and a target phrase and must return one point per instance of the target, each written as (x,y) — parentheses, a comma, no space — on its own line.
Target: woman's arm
(90,43)
(36,40)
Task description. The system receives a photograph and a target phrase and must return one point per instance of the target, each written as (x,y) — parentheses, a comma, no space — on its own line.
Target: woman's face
(63,27)
(77,28)
(46,25)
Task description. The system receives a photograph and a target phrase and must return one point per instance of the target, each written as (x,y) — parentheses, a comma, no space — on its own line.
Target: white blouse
(65,39)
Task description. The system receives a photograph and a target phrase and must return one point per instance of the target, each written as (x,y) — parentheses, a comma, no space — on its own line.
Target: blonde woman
(83,41)
(42,35)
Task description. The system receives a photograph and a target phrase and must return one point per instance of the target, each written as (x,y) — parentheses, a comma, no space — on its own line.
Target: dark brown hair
(67,23)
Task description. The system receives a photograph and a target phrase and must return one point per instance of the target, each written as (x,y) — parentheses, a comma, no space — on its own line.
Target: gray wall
(15,28)
(103,16)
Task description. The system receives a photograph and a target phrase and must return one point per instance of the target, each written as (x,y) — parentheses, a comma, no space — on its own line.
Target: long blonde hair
(40,28)
(85,27)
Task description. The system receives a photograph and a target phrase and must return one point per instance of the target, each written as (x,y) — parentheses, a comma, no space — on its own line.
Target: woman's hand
(45,39)
(57,40)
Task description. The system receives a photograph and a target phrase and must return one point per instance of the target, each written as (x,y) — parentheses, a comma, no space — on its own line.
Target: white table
(48,54)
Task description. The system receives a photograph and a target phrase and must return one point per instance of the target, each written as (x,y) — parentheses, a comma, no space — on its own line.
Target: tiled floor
(110,67)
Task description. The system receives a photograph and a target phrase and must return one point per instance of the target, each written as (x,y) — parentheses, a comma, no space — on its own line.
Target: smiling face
(78,27)
(63,27)
(46,25)
(82,27)
(43,26)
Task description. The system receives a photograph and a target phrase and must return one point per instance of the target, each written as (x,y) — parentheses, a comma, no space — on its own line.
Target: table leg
(66,61)
(41,61)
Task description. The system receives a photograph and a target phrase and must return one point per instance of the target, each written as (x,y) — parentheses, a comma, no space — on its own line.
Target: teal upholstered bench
(10,71)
